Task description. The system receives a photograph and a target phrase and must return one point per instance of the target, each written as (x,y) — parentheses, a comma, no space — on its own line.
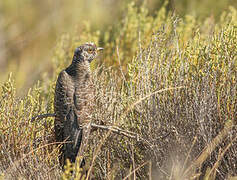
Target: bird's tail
(84,144)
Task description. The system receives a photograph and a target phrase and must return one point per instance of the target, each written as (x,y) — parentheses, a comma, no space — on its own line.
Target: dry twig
(94,127)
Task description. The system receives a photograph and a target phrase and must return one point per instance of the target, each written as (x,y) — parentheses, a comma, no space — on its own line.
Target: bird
(73,103)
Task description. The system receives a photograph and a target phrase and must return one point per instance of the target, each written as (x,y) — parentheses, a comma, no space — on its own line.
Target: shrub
(174,86)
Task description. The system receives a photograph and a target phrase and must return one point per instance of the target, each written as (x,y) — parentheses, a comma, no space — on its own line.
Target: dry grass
(178,93)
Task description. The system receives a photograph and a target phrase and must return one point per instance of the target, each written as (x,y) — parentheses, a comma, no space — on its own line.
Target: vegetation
(170,81)
(30,29)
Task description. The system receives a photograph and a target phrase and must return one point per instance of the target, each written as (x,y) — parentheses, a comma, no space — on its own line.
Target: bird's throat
(79,69)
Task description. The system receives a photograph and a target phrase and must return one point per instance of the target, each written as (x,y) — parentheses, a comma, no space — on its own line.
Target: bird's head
(86,52)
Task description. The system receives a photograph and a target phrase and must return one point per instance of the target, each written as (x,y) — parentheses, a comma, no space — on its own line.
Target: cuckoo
(73,103)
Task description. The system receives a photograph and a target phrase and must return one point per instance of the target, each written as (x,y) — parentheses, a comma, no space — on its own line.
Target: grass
(172,81)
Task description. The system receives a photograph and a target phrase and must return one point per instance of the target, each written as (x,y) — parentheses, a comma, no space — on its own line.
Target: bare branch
(94,127)
(42,116)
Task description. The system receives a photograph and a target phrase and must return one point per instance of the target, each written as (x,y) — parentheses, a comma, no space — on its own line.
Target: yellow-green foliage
(29,29)
(24,143)
(192,62)
(120,41)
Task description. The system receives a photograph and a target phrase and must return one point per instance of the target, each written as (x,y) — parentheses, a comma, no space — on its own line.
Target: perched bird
(73,103)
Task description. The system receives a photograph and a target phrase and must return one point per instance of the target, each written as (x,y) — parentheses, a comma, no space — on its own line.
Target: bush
(173,83)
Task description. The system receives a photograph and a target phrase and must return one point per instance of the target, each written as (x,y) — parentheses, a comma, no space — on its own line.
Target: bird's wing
(84,105)
(63,101)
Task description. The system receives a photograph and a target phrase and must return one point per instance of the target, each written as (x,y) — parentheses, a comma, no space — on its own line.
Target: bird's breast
(82,99)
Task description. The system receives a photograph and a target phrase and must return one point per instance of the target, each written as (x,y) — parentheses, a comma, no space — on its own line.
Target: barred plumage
(73,103)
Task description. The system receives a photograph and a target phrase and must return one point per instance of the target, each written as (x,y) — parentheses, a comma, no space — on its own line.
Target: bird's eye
(89,50)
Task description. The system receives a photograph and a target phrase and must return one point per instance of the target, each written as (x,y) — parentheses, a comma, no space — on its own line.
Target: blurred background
(30,29)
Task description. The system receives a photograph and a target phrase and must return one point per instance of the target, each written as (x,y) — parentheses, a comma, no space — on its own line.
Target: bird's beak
(99,49)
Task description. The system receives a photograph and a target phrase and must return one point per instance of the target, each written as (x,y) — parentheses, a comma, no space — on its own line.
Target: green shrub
(172,82)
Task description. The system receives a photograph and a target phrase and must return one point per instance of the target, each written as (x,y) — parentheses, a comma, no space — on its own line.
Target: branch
(42,116)
(122,132)
(116,130)
(113,129)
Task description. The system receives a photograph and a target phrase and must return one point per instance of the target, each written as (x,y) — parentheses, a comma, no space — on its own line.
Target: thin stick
(116,130)
(189,152)
(219,158)
(129,108)
(113,129)
(42,116)
(135,170)
(209,148)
